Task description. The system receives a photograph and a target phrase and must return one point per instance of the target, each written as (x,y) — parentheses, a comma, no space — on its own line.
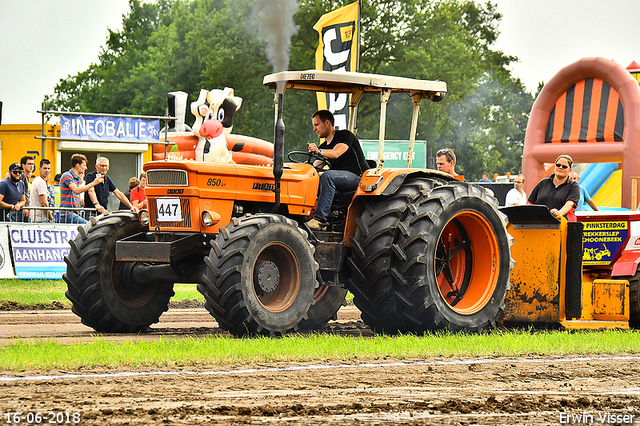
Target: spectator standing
(133,182)
(584,194)
(12,198)
(28,166)
(98,195)
(70,189)
(559,193)
(56,188)
(138,197)
(446,161)
(485,177)
(516,195)
(42,194)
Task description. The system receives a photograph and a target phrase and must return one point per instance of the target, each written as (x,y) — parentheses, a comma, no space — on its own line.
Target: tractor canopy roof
(355,82)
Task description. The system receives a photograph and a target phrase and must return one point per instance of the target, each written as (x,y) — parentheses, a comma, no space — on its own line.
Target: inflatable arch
(589,110)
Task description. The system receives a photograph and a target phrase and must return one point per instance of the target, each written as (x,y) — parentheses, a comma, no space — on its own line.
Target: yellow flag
(337,51)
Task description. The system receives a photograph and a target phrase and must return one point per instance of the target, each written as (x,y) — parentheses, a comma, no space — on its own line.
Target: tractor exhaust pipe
(278,146)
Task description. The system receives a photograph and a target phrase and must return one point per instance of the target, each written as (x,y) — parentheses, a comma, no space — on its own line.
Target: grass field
(49,294)
(46,355)
(212,350)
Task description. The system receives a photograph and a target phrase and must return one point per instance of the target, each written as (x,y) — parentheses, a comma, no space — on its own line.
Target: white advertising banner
(6,267)
(39,250)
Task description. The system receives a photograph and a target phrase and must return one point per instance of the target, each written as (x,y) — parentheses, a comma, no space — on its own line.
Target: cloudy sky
(42,41)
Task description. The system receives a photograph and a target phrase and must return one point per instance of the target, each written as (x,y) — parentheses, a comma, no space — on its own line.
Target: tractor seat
(344,198)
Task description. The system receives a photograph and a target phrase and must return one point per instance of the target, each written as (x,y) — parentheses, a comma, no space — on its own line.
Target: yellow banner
(337,51)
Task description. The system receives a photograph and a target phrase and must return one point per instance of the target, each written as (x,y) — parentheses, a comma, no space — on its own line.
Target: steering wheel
(308,157)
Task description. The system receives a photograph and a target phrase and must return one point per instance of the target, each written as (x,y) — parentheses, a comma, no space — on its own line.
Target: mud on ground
(521,391)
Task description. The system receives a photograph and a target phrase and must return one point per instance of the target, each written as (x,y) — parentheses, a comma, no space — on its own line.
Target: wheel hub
(267,275)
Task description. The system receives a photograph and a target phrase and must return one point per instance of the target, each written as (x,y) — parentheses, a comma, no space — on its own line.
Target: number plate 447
(169,210)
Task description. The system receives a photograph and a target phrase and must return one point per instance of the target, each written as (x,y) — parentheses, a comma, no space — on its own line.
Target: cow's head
(214,111)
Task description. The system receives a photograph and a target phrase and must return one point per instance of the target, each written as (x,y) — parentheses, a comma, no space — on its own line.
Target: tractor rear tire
(372,282)
(453,261)
(434,255)
(327,302)
(101,290)
(260,276)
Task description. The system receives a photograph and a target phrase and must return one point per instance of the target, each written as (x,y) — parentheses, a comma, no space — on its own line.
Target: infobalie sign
(109,128)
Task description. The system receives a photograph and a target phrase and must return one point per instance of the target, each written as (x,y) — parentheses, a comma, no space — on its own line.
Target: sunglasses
(564,166)
(446,153)
(16,172)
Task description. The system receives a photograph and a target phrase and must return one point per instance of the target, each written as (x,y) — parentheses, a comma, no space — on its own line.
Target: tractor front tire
(101,290)
(327,301)
(260,277)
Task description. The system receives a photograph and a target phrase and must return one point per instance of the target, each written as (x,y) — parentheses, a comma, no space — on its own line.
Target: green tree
(191,45)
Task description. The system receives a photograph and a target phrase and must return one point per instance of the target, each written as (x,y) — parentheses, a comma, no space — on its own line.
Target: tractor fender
(384,182)
(390,185)
(387,181)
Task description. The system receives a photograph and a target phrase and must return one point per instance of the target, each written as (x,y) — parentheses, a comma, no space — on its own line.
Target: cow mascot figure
(214,111)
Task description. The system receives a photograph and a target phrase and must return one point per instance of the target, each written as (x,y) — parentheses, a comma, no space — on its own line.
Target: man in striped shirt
(69,189)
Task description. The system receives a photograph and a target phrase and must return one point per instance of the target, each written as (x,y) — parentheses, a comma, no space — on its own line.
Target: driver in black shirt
(343,150)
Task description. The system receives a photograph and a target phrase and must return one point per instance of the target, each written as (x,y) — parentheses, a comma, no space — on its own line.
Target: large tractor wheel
(454,261)
(434,255)
(260,276)
(103,293)
(327,301)
(373,281)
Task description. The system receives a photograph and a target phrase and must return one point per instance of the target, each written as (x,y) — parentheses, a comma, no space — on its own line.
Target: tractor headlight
(143,217)
(207,219)
(210,218)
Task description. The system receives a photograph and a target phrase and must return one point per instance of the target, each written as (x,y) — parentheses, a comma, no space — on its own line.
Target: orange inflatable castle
(589,110)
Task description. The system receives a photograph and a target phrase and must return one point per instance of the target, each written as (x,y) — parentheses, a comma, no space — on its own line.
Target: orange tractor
(418,249)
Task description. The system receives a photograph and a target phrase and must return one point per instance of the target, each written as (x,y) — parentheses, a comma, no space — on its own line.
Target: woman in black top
(558,191)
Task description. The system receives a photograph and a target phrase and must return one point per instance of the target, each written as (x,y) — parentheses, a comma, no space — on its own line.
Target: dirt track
(434,391)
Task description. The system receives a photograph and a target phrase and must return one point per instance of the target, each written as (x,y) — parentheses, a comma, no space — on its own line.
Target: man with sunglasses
(516,195)
(558,191)
(12,198)
(446,161)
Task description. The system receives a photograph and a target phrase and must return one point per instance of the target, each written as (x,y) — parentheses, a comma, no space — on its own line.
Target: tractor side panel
(535,279)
